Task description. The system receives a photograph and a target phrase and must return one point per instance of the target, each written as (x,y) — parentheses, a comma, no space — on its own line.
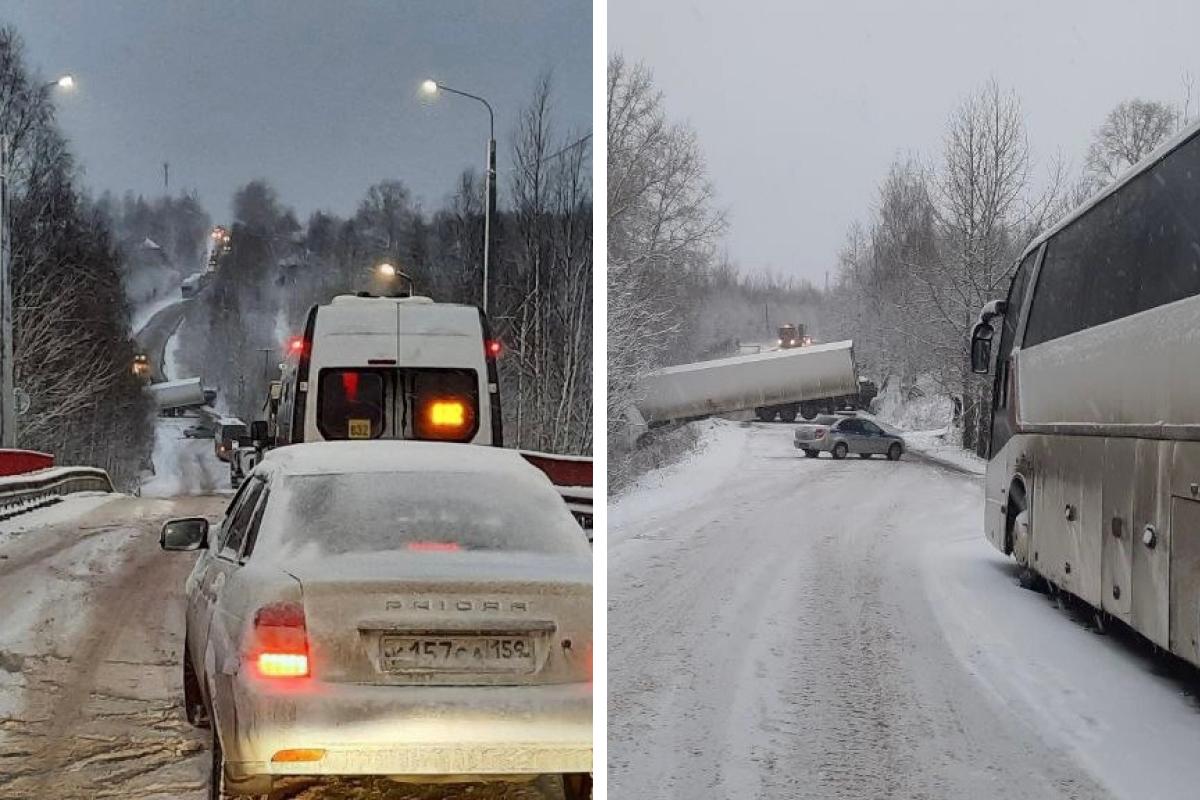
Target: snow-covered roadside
(1133,727)
(71,507)
(145,312)
(942,445)
(681,484)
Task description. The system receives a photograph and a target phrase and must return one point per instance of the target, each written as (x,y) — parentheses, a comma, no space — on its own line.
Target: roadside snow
(145,312)
(172,353)
(683,483)
(942,445)
(71,507)
(1134,727)
(183,466)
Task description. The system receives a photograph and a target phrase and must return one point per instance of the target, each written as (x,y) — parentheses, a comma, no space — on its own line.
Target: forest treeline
(72,346)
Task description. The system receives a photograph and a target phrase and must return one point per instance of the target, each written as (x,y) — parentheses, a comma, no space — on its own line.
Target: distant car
(842,435)
(226,434)
(417,610)
(198,432)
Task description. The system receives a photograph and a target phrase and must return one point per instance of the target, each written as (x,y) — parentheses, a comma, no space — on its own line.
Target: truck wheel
(895,451)
(764,414)
(840,450)
(788,413)
(811,453)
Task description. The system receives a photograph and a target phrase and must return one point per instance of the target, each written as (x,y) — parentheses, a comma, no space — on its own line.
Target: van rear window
(438,404)
(352,404)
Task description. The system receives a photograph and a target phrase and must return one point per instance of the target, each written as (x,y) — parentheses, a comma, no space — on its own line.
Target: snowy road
(91,631)
(790,628)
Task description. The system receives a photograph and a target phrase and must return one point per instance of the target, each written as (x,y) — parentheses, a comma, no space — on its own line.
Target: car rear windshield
(420,511)
(825,419)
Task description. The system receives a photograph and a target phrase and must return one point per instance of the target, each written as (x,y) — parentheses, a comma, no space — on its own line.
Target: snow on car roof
(325,458)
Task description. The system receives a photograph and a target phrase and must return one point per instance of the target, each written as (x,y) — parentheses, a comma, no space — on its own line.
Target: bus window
(1135,250)
(351,404)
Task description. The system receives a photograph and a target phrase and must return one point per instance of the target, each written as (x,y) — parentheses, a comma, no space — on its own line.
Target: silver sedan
(410,609)
(841,436)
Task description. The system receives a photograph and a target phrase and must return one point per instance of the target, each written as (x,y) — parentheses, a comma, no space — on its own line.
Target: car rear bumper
(822,445)
(409,730)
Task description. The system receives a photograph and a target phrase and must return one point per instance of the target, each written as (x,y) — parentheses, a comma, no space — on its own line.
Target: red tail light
(818,433)
(280,641)
(492,347)
(295,344)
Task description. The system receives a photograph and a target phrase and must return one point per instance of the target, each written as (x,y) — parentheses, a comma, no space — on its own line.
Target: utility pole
(166,178)
(8,416)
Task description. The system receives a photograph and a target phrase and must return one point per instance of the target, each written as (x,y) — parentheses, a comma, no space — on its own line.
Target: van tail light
(279,646)
(493,348)
(445,418)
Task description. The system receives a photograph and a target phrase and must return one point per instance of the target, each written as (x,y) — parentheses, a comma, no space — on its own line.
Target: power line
(553,155)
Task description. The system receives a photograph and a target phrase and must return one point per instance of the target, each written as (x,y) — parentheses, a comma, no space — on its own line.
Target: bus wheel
(764,414)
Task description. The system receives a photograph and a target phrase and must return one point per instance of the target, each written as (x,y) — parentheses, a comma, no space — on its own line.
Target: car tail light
(280,641)
(819,433)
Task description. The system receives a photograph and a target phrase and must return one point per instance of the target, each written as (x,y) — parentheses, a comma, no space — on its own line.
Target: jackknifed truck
(786,383)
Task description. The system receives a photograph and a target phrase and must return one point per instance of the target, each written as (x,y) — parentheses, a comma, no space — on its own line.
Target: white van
(391,368)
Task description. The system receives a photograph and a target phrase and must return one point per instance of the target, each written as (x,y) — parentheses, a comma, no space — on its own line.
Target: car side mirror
(258,432)
(185,534)
(981,347)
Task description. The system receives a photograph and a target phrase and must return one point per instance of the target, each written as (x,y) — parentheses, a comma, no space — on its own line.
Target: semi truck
(779,383)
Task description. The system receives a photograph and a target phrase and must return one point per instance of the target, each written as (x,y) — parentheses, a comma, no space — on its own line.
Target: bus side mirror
(981,348)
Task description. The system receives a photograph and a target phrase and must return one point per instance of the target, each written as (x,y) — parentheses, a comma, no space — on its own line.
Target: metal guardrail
(22,493)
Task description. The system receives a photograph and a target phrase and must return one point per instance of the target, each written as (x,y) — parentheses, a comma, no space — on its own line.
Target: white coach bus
(1093,480)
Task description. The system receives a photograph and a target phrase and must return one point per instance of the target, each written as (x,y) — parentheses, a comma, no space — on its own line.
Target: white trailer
(776,382)
(177,394)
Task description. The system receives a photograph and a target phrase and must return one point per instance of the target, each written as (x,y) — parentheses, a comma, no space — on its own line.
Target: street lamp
(386,270)
(8,416)
(431,88)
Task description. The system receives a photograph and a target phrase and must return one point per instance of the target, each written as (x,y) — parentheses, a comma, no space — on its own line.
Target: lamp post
(8,413)
(432,87)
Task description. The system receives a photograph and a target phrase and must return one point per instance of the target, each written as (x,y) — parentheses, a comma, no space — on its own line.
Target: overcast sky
(319,97)
(801,106)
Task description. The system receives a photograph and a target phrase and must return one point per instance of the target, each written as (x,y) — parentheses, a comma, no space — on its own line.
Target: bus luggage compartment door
(1185,579)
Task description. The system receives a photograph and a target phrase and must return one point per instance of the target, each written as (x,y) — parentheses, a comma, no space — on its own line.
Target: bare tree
(661,228)
(1128,133)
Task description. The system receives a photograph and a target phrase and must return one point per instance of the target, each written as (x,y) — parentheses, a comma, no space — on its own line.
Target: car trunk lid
(448,618)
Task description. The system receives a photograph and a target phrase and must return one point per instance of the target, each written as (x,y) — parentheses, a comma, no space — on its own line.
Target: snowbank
(71,507)
(683,483)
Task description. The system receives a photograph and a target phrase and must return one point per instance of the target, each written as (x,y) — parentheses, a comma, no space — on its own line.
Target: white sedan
(408,609)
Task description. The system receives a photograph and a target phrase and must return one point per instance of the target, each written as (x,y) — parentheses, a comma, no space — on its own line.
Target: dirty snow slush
(783,627)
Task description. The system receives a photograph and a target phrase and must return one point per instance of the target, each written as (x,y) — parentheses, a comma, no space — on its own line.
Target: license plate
(456,653)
